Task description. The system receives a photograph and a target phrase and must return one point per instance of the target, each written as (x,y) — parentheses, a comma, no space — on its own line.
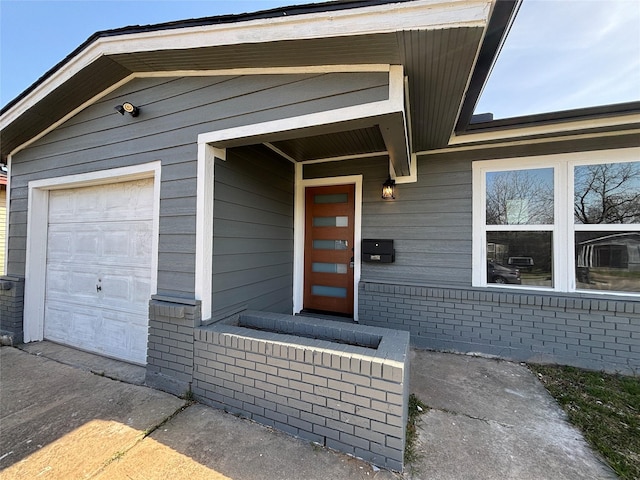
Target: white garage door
(99,268)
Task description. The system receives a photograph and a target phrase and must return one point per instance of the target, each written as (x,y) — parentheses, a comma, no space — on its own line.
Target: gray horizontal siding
(173,112)
(253,232)
(224,104)
(429,221)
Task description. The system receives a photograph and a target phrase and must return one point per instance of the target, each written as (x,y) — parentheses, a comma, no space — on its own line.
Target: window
(519,208)
(566,222)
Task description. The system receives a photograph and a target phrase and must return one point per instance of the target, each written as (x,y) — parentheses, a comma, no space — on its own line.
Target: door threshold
(333,316)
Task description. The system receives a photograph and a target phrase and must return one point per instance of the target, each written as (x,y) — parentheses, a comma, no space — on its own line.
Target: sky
(566,54)
(559,55)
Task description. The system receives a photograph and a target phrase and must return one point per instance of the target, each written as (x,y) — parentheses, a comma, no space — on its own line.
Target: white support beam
(204,226)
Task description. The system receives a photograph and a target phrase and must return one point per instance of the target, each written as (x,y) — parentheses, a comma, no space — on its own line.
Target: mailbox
(378,251)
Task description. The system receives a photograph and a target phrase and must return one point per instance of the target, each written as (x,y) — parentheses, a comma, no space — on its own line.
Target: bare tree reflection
(607,193)
(519,197)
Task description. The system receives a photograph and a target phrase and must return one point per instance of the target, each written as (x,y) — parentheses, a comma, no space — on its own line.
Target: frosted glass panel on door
(320,267)
(325,291)
(330,244)
(330,221)
(331,198)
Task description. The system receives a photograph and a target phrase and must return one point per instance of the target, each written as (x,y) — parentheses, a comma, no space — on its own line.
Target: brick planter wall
(350,398)
(596,333)
(170,346)
(11,308)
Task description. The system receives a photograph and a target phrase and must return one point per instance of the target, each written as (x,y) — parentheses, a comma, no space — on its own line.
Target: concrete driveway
(64,422)
(63,416)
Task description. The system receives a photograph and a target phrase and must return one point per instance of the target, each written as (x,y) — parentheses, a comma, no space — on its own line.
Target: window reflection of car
(498,273)
(523,263)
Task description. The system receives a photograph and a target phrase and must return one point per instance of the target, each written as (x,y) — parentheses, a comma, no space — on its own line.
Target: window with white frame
(568,222)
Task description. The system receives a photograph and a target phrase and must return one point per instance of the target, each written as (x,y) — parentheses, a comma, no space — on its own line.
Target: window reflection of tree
(607,193)
(519,197)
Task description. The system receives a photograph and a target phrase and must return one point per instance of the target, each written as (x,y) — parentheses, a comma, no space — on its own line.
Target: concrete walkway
(493,419)
(64,416)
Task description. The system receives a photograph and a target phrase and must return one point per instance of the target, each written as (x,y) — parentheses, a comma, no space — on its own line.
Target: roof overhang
(383,123)
(609,120)
(437,44)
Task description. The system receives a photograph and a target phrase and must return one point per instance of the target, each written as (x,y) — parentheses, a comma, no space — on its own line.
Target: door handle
(98,288)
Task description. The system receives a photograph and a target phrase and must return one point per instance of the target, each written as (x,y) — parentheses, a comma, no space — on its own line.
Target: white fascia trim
(396,87)
(413,172)
(299,232)
(328,117)
(317,69)
(388,18)
(6,121)
(15,112)
(314,69)
(395,104)
(562,127)
(564,138)
(37,226)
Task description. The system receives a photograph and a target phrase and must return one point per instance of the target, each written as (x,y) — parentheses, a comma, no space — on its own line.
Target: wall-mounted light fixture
(129,108)
(389,189)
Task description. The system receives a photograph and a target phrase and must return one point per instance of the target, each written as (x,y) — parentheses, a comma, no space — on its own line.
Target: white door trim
(37,226)
(298,229)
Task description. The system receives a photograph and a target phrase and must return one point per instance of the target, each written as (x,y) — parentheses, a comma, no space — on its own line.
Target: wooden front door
(328,248)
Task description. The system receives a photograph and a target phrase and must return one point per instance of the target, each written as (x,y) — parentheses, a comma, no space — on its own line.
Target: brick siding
(170,344)
(349,398)
(11,308)
(594,333)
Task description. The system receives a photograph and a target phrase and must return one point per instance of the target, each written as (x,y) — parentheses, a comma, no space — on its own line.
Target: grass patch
(605,407)
(188,396)
(416,408)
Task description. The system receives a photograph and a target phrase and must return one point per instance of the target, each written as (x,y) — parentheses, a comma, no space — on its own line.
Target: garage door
(99,268)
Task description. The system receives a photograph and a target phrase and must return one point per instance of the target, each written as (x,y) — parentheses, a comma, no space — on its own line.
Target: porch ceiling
(438,64)
(359,141)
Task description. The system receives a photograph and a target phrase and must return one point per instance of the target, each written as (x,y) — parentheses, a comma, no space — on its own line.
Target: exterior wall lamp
(389,189)
(129,108)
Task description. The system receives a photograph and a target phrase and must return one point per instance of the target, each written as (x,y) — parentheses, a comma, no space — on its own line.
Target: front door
(328,252)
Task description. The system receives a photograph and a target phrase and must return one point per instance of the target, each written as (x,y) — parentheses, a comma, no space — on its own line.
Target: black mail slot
(378,251)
